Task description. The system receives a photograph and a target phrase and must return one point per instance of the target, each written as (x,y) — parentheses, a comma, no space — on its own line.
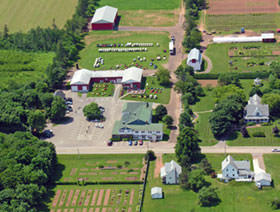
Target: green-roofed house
(136,122)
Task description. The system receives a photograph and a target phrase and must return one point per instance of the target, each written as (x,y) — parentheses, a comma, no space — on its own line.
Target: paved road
(160,148)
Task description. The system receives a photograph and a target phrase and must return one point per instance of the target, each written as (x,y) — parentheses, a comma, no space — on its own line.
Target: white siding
(74,88)
(230,172)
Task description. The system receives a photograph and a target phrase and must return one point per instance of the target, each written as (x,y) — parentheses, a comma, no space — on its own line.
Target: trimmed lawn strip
(124,59)
(22,15)
(101,90)
(87,167)
(148,83)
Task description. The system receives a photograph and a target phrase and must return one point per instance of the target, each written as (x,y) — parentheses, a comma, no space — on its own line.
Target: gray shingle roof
(255,109)
(262,176)
(194,54)
(240,165)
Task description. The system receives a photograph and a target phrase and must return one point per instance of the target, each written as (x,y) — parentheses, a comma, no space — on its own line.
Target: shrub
(265,124)
(275,204)
(258,134)
(213,175)
(126,163)
(150,155)
(208,197)
(115,139)
(119,166)
(100,166)
(251,123)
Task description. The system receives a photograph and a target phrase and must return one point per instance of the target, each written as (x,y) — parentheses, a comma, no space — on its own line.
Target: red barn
(129,78)
(104,18)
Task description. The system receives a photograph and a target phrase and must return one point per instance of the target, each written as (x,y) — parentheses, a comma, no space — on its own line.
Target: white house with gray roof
(255,111)
(195,59)
(170,172)
(233,169)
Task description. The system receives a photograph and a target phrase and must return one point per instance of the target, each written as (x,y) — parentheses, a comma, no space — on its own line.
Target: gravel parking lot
(77,131)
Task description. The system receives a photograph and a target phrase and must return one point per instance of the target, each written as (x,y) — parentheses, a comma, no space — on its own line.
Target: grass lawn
(233,23)
(18,68)
(142,4)
(152,89)
(206,102)
(204,131)
(149,18)
(95,198)
(101,90)
(271,162)
(256,58)
(234,196)
(22,15)
(88,166)
(124,59)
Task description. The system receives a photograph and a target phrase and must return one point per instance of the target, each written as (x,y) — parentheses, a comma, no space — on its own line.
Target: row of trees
(27,167)
(192,34)
(194,165)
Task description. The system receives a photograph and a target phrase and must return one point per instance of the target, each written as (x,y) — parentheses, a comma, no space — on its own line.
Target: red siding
(107,26)
(108,79)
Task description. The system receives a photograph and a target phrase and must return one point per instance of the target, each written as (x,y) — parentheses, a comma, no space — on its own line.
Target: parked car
(135,143)
(69,108)
(68,103)
(109,143)
(102,109)
(130,143)
(275,150)
(47,134)
(140,142)
(173,38)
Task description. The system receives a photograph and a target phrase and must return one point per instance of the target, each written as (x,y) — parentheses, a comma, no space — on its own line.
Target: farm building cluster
(83,79)
(136,123)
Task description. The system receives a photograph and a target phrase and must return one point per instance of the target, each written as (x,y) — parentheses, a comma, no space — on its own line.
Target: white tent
(156,193)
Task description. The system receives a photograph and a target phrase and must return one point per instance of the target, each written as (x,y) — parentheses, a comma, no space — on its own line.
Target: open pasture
(22,15)
(17,67)
(218,7)
(124,59)
(102,168)
(245,57)
(233,23)
(97,198)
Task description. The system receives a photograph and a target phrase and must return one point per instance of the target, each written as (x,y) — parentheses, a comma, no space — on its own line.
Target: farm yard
(218,7)
(96,198)
(17,67)
(102,168)
(112,60)
(222,24)
(245,57)
(151,91)
(22,15)
(234,196)
(101,90)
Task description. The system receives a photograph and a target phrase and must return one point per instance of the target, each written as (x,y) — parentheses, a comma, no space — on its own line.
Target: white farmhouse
(238,170)
(194,59)
(170,172)
(156,193)
(255,111)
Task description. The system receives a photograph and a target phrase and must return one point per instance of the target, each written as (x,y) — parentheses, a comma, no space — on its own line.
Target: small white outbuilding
(263,179)
(156,193)
(195,59)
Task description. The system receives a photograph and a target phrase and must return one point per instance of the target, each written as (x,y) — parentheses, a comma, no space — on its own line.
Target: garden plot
(246,57)
(102,90)
(102,168)
(103,198)
(121,50)
(151,92)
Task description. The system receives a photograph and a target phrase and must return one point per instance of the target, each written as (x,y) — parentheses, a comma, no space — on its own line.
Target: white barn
(194,59)
(156,193)
(170,172)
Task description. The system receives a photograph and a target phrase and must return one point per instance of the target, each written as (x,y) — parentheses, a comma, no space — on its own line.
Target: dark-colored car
(140,142)
(47,134)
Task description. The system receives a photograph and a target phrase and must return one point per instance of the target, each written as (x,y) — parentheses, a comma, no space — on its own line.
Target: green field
(124,59)
(22,15)
(233,23)
(89,198)
(101,90)
(241,197)
(205,103)
(142,4)
(18,68)
(90,167)
(152,88)
(245,57)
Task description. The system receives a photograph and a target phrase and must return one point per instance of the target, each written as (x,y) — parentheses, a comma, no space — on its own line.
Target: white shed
(194,59)
(263,179)
(156,193)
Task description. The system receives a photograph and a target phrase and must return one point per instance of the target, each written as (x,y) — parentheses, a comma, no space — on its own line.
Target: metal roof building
(104,18)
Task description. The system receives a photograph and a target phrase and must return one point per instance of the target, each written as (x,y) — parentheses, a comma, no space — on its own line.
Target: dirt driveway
(78,131)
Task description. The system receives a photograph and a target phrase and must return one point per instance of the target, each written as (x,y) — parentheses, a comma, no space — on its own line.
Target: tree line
(27,168)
